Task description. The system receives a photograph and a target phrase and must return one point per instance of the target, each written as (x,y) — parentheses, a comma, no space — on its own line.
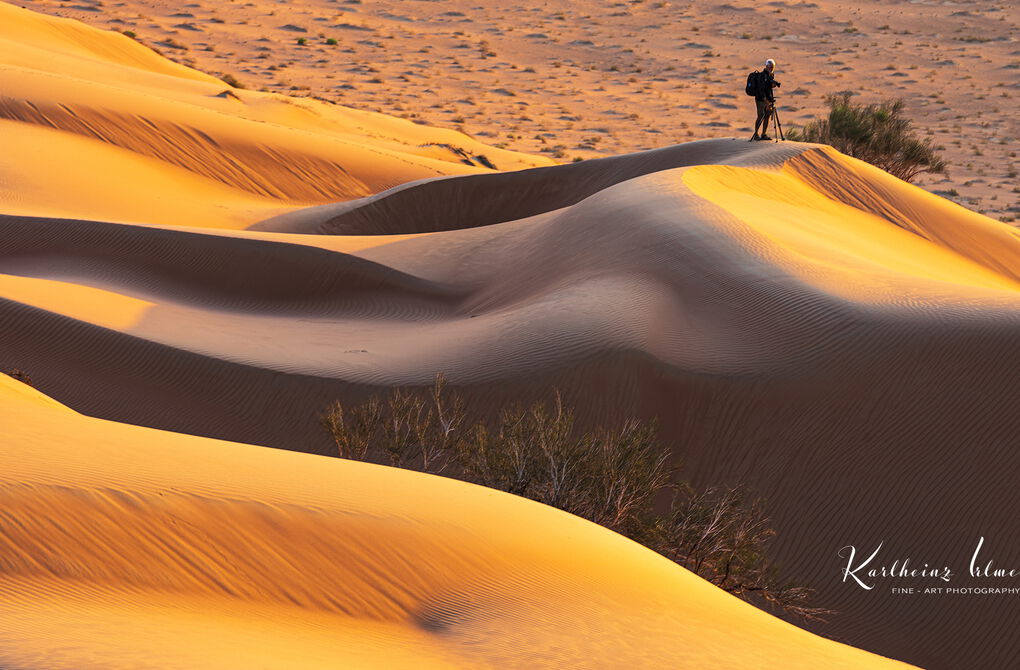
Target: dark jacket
(766,82)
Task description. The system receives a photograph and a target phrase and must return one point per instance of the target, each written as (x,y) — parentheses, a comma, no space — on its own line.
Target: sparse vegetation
(611,476)
(464,155)
(876,133)
(19,375)
(231,80)
(174,44)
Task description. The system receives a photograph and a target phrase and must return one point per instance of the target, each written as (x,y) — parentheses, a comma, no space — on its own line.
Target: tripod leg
(779,126)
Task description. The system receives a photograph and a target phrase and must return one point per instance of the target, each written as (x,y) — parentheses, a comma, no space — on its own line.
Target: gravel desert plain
(216,219)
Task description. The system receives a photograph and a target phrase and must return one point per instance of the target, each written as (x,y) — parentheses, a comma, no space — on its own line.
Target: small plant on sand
(174,44)
(721,534)
(301,41)
(876,133)
(610,476)
(463,155)
(231,80)
(20,375)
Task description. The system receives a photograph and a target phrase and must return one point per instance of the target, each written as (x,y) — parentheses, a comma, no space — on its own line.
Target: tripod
(775,117)
(779,126)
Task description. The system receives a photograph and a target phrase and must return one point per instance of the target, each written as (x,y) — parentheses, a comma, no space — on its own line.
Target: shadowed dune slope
(196,151)
(145,549)
(440,204)
(800,322)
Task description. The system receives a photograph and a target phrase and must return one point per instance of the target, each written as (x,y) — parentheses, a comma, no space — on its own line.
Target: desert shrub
(625,470)
(721,534)
(611,476)
(231,80)
(876,133)
(19,375)
(174,44)
(354,431)
(463,154)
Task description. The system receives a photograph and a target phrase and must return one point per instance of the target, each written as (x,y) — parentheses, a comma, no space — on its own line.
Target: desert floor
(584,79)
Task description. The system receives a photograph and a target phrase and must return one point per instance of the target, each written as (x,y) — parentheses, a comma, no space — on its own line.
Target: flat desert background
(190,272)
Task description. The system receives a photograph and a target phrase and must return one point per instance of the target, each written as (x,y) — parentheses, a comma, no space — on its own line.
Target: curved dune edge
(122,545)
(394,309)
(472,201)
(159,193)
(840,246)
(195,151)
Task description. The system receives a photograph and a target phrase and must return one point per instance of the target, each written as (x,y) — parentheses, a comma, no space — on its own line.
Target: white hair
(770,62)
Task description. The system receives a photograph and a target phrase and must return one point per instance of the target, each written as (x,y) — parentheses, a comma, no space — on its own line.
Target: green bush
(876,133)
(611,476)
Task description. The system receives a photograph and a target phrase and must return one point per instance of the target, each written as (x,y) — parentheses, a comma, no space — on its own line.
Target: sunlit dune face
(119,185)
(83,303)
(844,249)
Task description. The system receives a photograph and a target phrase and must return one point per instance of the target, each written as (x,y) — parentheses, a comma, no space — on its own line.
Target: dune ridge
(441,204)
(293,176)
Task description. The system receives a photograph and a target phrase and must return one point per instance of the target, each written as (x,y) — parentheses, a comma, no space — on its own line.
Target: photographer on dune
(760,85)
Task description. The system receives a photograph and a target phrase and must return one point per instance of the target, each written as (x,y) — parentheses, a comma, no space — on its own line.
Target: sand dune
(199,152)
(800,322)
(848,352)
(120,552)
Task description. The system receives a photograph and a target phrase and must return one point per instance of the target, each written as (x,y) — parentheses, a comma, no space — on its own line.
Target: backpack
(752,83)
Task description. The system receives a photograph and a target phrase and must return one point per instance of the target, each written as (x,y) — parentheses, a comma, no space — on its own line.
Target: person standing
(764,100)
